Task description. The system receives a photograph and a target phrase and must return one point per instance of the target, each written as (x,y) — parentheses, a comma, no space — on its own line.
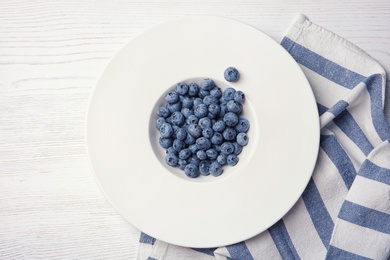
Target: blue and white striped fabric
(344,213)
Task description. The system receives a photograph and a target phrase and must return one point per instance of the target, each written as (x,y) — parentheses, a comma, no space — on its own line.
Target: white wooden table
(51,53)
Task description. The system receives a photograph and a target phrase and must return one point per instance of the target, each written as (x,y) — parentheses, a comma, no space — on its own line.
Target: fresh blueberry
(229,134)
(181,134)
(208,132)
(187,112)
(182,164)
(242,125)
(173,107)
(204,122)
(200,110)
(237,148)
(227,148)
(190,139)
(182,88)
(216,92)
(207,84)
(242,139)
(202,155)
(230,119)
(232,159)
(214,109)
(231,74)
(196,102)
(185,154)
(203,143)
(166,130)
(219,126)
(204,167)
(159,122)
(239,96)
(171,150)
(228,94)
(193,148)
(208,100)
(191,170)
(194,130)
(178,145)
(233,106)
(203,93)
(217,138)
(194,160)
(172,97)
(192,119)
(221,159)
(165,142)
(212,153)
(171,159)
(187,102)
(177,118)
(215,169)
(193,89)
(163,112)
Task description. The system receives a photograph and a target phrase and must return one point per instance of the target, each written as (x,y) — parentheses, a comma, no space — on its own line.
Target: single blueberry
(204,122)
(233,106)
(208,132)
(227,148)
(242,139)
(202,155)
(178,145)
(163,112)
(172,97)
(203,93)
(200,110)
(182,88)
(185,154)
(230,119)
(232,159)
(219,126)
(208,100)
(187,112)
(173,107)
(193,148)
(215,169)
(190,139)
(229,134)
(166,130)
(216,92)
(177,118)
(159,122)
(194,130)
(194,160)
(203,143)
(171,150)
(181,134)
(212,153)
(192,119)
(214,109)
(193,89)
(187,102)
(231,74)
(165,142)
(171,159)
(207,84)
(237,148)
(182,164)
(217,138)
(196,102)
(191,170)
(221,159)
(228,94)
(242,125)
(204,168)
(239,96)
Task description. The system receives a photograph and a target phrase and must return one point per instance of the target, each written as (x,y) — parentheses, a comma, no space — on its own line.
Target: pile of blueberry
(201,128)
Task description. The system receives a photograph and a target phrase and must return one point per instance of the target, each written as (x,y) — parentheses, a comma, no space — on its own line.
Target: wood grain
(51,53)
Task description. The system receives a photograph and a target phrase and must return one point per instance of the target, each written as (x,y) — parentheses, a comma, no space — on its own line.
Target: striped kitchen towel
(344,213)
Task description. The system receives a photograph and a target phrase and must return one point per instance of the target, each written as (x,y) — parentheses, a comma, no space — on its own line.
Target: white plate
(274,168)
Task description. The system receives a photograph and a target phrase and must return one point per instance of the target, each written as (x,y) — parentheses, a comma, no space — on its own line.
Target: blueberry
(216,92)
(196,102)
(159,122)
(165,142)
(233,106)
(200,110)
(191,170)
(166,130)
(187,112)
(223,110)
(171,150)
(242,139)
(171,159)
(182,164)
(221,159)
(187,102)
(242,125)
(173,107)
(194,130)
(203,143)
(182,88)
(192,119)
(185,154)
(194,160)
(178,145)
(208,132)
(237,148)
(207,84)
(231,74)
(227,148)
(208,100)
(202,155)
(177,118)
(215,169)
(239,96)
(204,122)
(193,148)
(172,97)
(193,89)
(219,126)
(228,94)
(190,139)
(204,167)
(214,109)
(229,134)
(212,153)
(232,159)
(163,112)
(203,93)
(175,128)
(230,119)
(181,134)
(217,138)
